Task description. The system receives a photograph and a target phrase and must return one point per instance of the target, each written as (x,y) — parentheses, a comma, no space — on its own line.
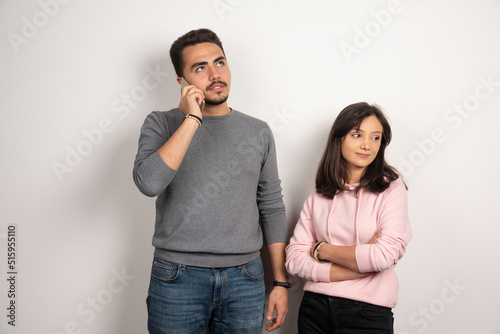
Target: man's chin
(216,102)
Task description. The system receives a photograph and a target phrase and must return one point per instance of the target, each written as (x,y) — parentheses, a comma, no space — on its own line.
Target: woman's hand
(313,247)
(340,273)
(375,237)
(326,245)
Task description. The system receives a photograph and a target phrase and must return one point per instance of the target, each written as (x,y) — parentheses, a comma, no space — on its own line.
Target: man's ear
(179,80)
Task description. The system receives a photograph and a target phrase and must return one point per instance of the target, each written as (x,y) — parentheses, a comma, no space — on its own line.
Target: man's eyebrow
(219,59)
(201,63)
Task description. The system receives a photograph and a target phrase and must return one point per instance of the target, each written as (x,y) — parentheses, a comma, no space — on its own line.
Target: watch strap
(283,284)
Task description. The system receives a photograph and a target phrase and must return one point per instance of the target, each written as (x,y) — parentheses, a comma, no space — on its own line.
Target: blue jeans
(188,300)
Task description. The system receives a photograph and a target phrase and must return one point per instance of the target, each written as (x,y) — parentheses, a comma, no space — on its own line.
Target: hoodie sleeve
(299,261)
(396,232)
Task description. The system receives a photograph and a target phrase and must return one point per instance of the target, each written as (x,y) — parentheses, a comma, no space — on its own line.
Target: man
(214,171)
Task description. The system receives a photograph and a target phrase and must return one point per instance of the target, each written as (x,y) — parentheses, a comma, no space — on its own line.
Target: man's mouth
(216,86)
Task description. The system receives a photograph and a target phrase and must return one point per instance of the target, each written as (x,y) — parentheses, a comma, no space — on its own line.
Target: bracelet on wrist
(316,250)
(196,118)
(282,284)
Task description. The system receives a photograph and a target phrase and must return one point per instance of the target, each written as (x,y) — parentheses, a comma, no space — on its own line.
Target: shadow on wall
(137,217)
(135,211)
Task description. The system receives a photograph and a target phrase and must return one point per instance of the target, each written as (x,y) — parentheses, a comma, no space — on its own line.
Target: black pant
(334,315)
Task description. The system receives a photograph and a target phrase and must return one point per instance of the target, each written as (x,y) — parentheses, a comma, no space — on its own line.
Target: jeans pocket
(254,270)
(375,312)
(307,298)
(164,271)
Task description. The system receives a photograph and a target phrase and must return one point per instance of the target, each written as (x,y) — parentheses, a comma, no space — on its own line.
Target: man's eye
(199,69)
(220,63)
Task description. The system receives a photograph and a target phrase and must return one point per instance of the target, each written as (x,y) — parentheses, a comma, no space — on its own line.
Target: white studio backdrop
(77,79)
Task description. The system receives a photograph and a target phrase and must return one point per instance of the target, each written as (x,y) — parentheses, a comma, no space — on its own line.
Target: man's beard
(217,101)
(220,99)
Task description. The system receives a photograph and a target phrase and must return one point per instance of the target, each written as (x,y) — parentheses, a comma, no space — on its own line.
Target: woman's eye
(356,135)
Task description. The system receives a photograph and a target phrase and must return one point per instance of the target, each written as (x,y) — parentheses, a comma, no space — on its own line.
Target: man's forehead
(207,52)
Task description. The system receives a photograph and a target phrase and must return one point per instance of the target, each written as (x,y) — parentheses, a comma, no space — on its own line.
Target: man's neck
(217,110)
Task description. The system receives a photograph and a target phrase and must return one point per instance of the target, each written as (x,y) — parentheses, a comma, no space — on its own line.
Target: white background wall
(83,230)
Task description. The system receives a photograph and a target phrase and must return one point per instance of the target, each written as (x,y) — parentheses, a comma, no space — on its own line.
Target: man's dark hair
(191,38)
(332,170)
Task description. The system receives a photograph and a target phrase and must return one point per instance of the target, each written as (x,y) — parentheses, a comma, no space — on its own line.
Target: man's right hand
(174,149)
(191,99)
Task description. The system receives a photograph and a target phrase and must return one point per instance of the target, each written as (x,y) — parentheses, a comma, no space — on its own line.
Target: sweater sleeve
(269,197)
(151,174)
(299,261)
(396,232)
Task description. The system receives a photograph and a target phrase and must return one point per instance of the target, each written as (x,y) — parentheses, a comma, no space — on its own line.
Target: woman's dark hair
(191,38)
(332,170)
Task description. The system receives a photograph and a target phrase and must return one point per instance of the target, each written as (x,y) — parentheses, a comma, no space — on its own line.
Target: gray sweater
(208,211)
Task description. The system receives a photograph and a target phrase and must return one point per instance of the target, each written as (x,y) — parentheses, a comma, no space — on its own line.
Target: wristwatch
(283,284)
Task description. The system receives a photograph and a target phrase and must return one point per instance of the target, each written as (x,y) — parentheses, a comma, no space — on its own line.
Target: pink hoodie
(347,220)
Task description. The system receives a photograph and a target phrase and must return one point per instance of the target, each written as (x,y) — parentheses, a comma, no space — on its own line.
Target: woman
(352,230)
